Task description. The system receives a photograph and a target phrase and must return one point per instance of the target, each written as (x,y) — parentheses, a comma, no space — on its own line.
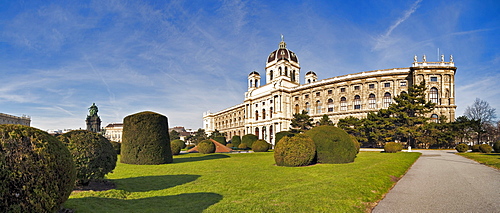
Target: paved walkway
(441,181)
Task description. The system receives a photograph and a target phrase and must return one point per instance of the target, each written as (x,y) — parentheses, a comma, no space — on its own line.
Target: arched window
(387,99)
(271,112)
(318,107)
(372,102)
(279,70)
(293,76)
(434,118)
(343,104)
(433,95)
(270,133)
(297,109)
(286,71)
(256,115)
(263,133)
(308,107)
(251,83)
(256,83)
(357,102)
(257,131)
(308,80)
(263,114)
(271,75)
(330,105)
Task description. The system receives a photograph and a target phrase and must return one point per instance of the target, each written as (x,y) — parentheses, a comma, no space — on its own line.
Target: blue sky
(182,58)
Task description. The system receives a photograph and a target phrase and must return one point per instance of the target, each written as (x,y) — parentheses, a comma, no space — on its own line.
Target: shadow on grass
(190,202)
(150,183)
(199,158)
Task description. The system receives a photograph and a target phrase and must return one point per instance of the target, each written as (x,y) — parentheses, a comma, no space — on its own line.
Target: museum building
(269,108)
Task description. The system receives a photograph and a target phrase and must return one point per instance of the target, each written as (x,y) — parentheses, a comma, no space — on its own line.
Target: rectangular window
(356,87)
(297,98)
(317,94)
(387,84)
(342,89)
(307,96)
(434,79)
(371,86)
(330,92)
(403,83)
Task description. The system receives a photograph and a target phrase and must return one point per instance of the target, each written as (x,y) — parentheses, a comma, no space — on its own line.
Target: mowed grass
(248,182)
(491,159)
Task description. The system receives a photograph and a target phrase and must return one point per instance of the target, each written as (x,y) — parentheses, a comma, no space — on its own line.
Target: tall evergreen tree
(355,127)
(301,122)
(325,120)
(409,112)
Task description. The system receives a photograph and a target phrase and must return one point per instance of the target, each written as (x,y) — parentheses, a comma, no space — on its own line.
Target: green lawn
(247,182)
(492,159)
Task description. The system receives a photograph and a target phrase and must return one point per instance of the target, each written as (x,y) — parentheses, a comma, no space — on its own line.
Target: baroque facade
(269,108)
(11,119)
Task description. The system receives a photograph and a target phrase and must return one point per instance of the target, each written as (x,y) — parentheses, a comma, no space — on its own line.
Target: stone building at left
(11,119)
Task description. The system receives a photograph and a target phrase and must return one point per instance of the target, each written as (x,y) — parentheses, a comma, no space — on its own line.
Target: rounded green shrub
(392,147)
(475,148)
(221,139)
(333,145)
(176,148)
(485,148)
(496,146)
(280,135)
(229,145)
(206,147)
(249,139)
(181,143)
(93,154)
(260,146)
(243,146)
(236,141)
(298,150)
(116,146)
(37,173)
(462,147)
(145,139)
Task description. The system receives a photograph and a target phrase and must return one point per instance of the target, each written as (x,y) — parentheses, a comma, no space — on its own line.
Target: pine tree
(301,122)
(325,120)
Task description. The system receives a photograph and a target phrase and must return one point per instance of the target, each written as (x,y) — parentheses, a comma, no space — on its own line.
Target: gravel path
(441,181)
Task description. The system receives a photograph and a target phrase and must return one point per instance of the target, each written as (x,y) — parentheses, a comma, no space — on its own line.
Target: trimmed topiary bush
(181,143)
(236,141)
(145,139)
(333,145)
(37,173)
(117,146)
(221,139)
(475,148)
(243,146)
(176,148)
(93,154)
(260,146)
(249,139)
(280,135)
(298,150)
(462,147)
(206,147)
(496,146)
(485,148)
(392,147)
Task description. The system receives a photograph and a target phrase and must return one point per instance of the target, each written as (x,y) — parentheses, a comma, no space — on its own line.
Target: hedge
(298,150)
(249,139)
(392,147)
(37,172)
(220,139)
(145,139)
(93,154)
(462,147)
(206,147)
(260,146)
(236,141)
(333,145)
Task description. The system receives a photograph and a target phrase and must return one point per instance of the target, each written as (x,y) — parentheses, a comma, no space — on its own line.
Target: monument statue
(442,58)
(415,58)
(424,58)
(93,110)
(93,121)
(451,58)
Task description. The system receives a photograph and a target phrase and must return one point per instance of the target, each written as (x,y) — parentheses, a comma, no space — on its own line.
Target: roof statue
(93,110)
